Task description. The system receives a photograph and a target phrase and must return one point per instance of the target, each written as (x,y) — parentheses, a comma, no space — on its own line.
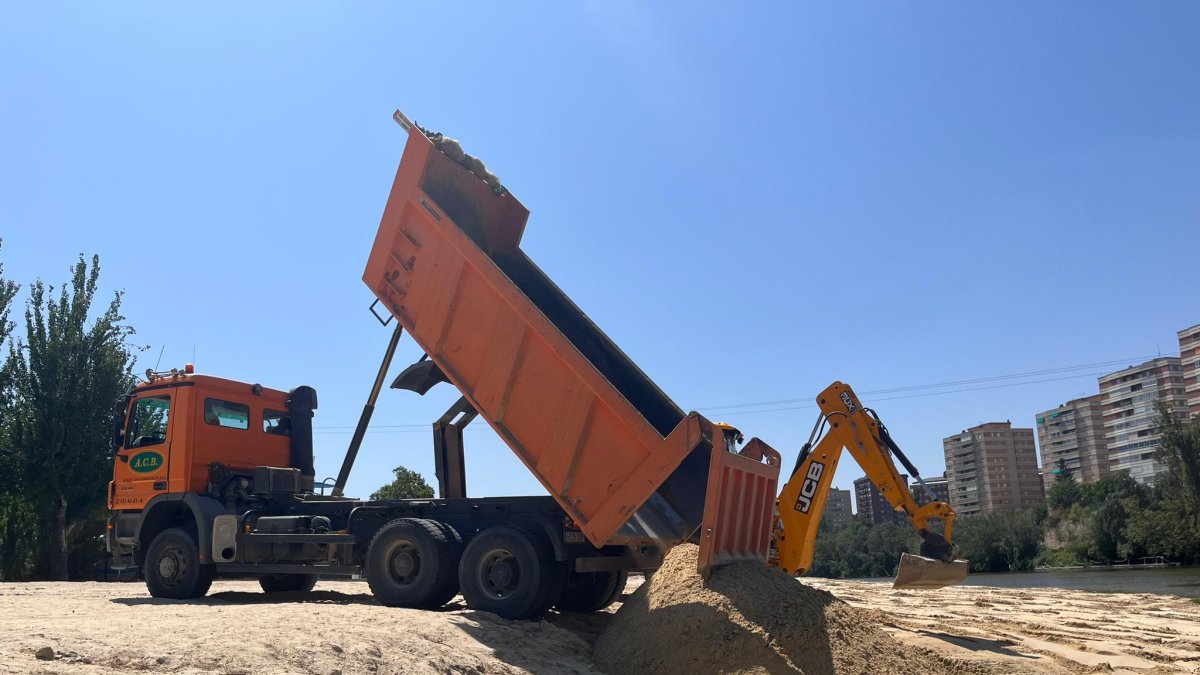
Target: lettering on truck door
(142,460)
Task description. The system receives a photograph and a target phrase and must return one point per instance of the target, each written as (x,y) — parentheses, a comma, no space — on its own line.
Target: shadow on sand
(250,598)
(977,644)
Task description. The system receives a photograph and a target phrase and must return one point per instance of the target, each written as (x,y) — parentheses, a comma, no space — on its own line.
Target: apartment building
(838,511)
(1128,398)
(1189,361)
(992,467)
(873,507)
(939,490)
(1071,439)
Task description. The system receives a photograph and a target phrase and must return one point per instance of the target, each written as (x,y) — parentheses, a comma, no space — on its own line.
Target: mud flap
(917,571)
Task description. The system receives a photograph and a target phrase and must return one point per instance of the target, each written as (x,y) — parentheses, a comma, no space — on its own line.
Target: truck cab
(213,476)
(177,432)
(189,449)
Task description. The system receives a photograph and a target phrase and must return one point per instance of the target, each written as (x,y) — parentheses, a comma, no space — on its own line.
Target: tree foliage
(8,292)
(15,514)
(60,381)
(862,550)
(407,484)
(1179,452)
(1064,492)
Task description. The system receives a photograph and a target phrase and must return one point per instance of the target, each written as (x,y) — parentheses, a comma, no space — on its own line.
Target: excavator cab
(732,436)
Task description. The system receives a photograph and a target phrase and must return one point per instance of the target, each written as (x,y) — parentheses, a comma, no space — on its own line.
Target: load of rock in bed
(748,618)
(453,149)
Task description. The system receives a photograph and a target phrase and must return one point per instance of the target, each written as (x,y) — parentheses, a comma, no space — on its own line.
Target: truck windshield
(148,422)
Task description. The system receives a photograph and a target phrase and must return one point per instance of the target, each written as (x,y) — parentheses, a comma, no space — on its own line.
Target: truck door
(140,471)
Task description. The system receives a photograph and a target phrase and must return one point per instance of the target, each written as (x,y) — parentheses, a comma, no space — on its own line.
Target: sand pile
(748,619)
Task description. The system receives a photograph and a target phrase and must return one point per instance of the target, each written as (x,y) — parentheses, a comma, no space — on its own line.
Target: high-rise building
(992,467)
(1128,398)
(939,490)
(873,507)
(1071,438)
(837,509)
(1189,361)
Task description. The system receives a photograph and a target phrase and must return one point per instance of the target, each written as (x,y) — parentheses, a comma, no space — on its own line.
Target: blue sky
(752,203)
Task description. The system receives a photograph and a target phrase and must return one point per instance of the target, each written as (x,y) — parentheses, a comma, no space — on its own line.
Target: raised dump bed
(622,459)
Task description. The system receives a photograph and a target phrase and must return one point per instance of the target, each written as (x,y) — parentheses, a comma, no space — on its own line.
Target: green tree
(407,485)
(980,540)
(1179,452)
(1108,529)
(999,542)
(15,514)
(8,292)
(61,379)
(1165,530)
(1118,484)
(862,550)
(1064,492)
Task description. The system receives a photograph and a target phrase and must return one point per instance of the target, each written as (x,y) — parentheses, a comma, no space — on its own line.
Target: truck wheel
(412,563)
(511,572)
(287,583)
(173,568)
(591,592)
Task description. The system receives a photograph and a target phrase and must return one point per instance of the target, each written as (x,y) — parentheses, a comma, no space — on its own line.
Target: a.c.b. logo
(146,462)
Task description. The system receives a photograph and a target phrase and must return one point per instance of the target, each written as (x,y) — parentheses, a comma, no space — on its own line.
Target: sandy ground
(1042,630)
(109,628)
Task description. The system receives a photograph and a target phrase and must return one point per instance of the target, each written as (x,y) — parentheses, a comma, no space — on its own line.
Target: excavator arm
(847,425)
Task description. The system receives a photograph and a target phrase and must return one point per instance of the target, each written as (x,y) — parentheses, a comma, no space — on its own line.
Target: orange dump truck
(629,473)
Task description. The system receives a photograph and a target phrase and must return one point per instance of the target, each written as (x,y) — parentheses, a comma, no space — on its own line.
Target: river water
(1181,581)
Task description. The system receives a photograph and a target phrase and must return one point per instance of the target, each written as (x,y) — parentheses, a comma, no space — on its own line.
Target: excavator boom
(847,425)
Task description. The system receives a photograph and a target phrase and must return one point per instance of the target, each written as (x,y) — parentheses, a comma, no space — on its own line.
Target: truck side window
(226,414)
(277,423)
(148,422)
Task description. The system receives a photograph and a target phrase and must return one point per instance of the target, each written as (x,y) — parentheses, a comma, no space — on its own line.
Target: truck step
(287,538)
(285,568)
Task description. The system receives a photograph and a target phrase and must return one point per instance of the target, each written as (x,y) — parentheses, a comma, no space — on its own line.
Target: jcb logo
(809,488)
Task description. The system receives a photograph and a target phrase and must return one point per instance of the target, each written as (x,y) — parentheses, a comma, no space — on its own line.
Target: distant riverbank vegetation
(1111,520)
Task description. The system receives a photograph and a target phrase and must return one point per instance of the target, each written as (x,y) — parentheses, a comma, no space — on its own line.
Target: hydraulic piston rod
(365,419)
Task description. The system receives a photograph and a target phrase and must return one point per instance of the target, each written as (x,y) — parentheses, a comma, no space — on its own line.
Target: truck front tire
(173,568)
(412,562)
(511,572)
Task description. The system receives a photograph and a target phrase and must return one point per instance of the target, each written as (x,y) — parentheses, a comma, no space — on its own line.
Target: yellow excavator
(844,423)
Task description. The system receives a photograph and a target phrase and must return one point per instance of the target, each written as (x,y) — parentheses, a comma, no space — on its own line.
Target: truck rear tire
(173,568)
(588,592)
(511,572)
(287,583)
(412,562)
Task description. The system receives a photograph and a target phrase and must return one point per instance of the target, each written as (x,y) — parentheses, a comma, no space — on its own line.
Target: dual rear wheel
(509,571)
(412,562)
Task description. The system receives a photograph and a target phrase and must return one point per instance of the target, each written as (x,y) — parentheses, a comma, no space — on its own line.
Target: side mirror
(118,429)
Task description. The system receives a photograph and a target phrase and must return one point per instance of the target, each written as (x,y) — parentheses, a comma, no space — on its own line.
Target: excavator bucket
(916,571)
